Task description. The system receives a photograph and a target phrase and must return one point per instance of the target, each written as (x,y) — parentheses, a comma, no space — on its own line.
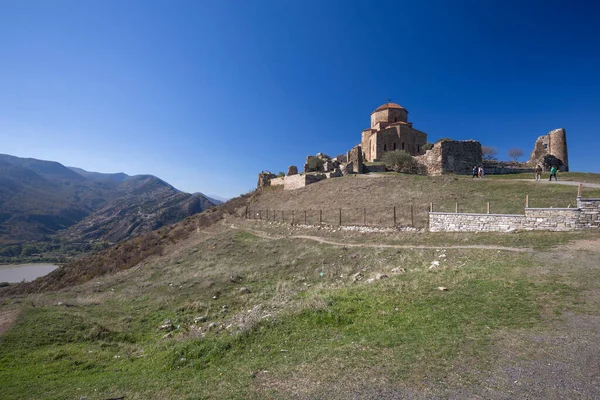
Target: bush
(315,164)
(427,146)
(400,161)
(551,161)
(281,174)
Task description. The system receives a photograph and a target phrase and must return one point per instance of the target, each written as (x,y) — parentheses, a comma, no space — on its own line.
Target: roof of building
(389,105)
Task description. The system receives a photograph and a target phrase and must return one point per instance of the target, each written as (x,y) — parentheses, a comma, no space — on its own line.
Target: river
(18,272)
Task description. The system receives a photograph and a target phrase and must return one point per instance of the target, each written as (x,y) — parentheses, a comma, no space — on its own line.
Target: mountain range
(42,199)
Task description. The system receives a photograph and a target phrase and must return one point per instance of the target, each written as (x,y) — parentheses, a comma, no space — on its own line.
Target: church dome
(387,106)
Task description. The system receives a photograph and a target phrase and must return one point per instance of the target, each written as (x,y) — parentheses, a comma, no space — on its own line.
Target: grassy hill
(217,306)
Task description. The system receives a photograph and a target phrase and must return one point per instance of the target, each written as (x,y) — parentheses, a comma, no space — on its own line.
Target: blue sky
(206,94)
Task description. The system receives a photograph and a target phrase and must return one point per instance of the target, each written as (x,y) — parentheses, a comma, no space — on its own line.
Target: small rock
(381,276)
(357,276)
(370,280)
(225,306)
(245,290)
(199,319)
(211,325)
(215,297)
(443,289)
(60,303)
(398,270)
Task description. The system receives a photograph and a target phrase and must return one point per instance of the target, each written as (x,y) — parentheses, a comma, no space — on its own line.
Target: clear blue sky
(206,94)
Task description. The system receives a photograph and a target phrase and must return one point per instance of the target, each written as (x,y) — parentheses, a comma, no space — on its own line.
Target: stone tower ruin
(554,143)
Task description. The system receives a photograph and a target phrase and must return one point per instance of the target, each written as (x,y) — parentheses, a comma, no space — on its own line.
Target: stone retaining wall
(587,215)
(590,212)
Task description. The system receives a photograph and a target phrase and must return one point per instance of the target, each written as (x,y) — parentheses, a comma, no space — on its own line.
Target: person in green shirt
(553,173)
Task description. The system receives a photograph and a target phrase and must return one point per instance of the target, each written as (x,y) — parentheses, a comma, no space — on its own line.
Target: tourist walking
(538,172)
(553,173)
(474,172)
(481,172)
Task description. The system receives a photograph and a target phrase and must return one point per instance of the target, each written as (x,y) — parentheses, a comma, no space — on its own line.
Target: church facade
(390,131)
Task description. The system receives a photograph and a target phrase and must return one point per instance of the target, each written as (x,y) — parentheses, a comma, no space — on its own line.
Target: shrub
(315,164)
(281,174)
(427,146)
(400,161)
(551,161)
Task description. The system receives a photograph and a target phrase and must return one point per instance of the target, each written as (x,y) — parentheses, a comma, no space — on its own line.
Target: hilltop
(219,306)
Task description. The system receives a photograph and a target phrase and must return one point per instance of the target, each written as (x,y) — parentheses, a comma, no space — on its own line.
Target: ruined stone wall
(277,181)
(504,167)
(354,156)
(299,181)
(554,143)
(451,156)
(374,168)
(264,179)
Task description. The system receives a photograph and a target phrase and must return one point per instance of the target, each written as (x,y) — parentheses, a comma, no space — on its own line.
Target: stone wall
(587,215)
(354,156)
(554,143)
(374,168)
(590,212)
(503,167)
(451,156)
(277,181)
(299,181)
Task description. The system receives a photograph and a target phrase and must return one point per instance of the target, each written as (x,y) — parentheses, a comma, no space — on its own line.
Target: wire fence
(392,216)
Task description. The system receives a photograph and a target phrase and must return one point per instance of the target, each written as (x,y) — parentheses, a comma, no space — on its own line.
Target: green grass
(586,177)
(103,341)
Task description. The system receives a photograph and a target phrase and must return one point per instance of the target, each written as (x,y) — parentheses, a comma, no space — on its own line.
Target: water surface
(24,272)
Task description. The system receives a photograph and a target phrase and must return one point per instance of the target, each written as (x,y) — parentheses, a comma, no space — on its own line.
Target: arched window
(384,147)
(402,145)
(394,145)
(418,148)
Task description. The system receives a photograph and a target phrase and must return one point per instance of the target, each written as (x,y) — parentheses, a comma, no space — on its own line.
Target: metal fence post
(340,217)
(320,217)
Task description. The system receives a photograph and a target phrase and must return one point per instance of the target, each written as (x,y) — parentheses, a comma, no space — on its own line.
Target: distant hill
(40,199)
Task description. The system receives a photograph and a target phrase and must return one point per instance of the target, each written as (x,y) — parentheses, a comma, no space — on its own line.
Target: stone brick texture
(587,215)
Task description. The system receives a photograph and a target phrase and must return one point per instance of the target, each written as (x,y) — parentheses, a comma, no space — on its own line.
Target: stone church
(389,131)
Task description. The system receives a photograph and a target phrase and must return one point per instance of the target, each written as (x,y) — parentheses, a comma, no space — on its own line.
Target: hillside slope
(217,306)
(39,199)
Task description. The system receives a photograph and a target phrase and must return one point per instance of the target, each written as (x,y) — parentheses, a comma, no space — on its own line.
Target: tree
(399,161)
(515,153)
(280,174)
(315,164)
(488,152)
(427,146)
(551,161)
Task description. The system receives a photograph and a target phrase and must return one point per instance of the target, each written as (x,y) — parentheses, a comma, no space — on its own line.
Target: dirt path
(7,318)
(266,235)
(569,183)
